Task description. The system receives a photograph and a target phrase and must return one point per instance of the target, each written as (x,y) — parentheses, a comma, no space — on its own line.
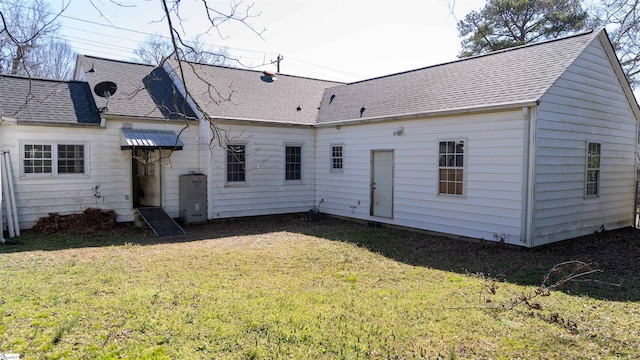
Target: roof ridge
(492,53)
(24,77)
(118,61)
(257,71)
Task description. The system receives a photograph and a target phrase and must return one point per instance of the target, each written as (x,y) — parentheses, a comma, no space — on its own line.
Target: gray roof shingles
(229,93)
(47,101)
(131,98)
(511,76)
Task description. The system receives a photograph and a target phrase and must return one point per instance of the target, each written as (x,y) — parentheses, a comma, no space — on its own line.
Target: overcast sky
(344,40)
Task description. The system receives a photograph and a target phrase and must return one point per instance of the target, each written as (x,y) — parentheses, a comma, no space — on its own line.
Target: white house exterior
(525,118)
(529,145)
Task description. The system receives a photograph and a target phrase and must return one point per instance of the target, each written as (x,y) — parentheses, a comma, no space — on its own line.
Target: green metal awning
(150,139)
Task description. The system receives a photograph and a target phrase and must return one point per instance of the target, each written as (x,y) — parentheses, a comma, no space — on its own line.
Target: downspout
(7,200)
(315,165)
(636,214)
(530,116)
(12,192)
(2,241)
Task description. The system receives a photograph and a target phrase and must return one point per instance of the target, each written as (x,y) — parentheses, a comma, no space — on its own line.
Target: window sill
(293,182)
(54,176)
(239,184)
(452,196)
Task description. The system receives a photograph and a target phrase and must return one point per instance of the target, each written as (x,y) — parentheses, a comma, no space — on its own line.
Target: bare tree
(28,41)
(622,20)
(155,48)
(23,29)
(53,60)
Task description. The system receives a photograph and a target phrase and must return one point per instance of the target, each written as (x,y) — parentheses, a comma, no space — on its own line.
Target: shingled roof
(514,76)
(230,93)
(39,101)
(131,98)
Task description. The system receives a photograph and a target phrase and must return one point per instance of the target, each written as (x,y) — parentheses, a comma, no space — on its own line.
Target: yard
(279,287)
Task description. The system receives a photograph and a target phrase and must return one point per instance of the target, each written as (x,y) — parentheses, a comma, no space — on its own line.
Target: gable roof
(40,101)
(511,77)
(238,94)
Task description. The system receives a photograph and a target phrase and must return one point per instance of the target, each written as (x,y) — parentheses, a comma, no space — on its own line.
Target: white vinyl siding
(586,102)
(493,173)
(107,166)
(265,191)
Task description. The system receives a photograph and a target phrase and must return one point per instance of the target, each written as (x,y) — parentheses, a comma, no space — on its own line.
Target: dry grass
(278,287)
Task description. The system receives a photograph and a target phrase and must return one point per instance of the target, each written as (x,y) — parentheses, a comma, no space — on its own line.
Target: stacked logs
(89,221)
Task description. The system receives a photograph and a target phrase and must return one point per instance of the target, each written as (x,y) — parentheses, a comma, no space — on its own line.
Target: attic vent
(331,98)
(268,76)
(298,108)
(362,109)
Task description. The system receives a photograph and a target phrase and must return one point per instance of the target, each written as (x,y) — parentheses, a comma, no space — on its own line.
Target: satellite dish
(105,89)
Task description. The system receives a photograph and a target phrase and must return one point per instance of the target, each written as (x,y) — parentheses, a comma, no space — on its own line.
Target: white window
(236,160)
(293,163)
(53,159)
(592,178)
(337,157)
(451,167)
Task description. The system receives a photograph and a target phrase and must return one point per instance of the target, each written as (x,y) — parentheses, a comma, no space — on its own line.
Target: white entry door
(382,183)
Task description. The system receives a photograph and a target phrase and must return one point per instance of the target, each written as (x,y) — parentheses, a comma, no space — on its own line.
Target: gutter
(144,118)
(48,123)
(244,121)
(430,114)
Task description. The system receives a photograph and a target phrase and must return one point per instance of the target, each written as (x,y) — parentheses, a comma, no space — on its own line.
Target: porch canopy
(150,139)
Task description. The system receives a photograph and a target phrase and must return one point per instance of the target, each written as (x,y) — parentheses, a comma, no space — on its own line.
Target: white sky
(344,40)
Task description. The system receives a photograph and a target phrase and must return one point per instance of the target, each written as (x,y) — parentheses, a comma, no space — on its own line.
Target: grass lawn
(278,287)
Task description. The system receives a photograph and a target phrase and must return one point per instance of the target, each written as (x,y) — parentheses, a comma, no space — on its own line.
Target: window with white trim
(236,158)
(293,163)
(337,157)
(592,180)
(451,167)
(53,159)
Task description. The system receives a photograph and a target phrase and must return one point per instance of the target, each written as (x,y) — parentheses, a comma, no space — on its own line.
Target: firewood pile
(89,221)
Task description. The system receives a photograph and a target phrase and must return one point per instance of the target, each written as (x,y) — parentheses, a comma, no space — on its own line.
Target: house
(68,156)
(529,145)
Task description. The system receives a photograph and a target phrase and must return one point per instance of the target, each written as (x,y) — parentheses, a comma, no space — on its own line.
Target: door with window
(382,183)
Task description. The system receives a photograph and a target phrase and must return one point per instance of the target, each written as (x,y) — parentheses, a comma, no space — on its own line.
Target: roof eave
(59,123)
(145,118)
(230,120)
(432,114)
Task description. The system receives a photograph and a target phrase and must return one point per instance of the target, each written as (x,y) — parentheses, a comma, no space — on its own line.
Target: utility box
(193,198)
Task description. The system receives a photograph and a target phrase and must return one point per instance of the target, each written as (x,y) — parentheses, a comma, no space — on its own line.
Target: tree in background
(155,48)
(501,24)
(30,43)
(622,21)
